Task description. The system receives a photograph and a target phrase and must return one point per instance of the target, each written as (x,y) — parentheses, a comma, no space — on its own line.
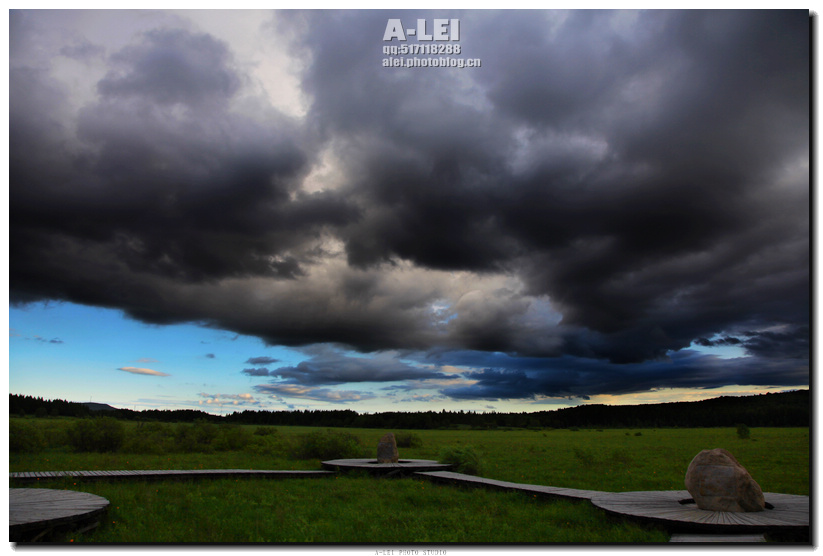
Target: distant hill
(94,406)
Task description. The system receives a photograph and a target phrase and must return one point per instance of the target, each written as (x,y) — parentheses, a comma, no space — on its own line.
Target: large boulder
(717,481)
(387,449)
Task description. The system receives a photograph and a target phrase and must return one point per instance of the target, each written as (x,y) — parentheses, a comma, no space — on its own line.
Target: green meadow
(361,509)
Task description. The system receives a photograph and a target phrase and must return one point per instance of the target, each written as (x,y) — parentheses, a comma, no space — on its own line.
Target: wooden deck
(665,507)
(36,511)
(548,491)
(680,537)
(38,476)
(402,467)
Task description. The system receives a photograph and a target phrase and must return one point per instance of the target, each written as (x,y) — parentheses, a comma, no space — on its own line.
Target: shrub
(328,445)
(408,440)
(268,444)
(638,433)
(265,431)
(465,459)
(56,434)
(232,437)
(24,438)
(150,438)
(103,434)
(743,431)
(197,437)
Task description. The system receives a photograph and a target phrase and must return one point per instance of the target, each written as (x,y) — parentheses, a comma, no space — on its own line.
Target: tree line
(784,409)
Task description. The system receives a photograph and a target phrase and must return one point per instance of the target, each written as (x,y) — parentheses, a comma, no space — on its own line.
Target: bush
(24,438)
(150,438)
(328,445)
(232,437)
(408,440)
(104,434)
(197,437)
(743,431)
(465,459)
(268,444)
(55,434)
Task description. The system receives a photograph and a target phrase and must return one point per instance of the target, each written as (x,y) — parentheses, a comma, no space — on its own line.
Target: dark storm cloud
(641,178)
(636,168)
(172,66)
(788,343)
(82,50)
(726,341)
(579,378)
(335,368)
(166,181)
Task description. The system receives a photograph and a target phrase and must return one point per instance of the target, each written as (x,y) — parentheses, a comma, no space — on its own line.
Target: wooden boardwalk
(36,511)
(681,537)
(404,466)
(471,480)
(665,507)
(38,476)
(789,512)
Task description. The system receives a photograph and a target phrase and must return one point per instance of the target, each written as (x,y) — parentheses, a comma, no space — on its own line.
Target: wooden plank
(687,538)
(665,507)
(36,476)
(570,493)
(34,510)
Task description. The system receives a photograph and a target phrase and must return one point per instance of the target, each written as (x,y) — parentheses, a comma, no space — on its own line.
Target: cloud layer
(142,371)
(607,189)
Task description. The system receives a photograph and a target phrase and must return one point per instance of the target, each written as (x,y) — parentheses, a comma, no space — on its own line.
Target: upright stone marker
(718,482)
(387,449)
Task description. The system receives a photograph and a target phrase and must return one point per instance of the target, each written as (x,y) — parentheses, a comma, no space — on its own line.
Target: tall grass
(349,510)
(777,458)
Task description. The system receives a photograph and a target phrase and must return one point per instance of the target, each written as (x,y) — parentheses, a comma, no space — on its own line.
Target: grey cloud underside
(643,172)
(580,378)
(338,369)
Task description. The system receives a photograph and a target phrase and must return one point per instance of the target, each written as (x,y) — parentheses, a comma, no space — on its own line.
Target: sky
(230,210)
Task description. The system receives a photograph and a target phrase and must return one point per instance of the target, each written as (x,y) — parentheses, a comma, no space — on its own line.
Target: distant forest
(784,409)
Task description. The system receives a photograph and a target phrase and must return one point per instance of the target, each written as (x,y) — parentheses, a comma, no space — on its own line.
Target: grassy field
(345,510)
(361,509)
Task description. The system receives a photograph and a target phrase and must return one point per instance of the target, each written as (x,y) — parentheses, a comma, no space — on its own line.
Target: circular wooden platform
(404,465)
(34,511)
(789,511)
